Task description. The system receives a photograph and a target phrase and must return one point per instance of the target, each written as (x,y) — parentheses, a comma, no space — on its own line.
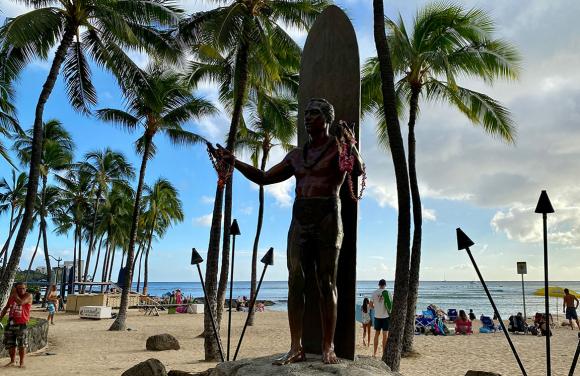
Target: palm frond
(77,73)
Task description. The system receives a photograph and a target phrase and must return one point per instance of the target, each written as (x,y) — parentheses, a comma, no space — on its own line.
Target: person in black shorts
(570,305)
(382,314)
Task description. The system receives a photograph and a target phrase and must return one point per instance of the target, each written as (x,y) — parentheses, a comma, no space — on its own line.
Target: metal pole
(215,333)
(231,293)
(573,367)
(524,298)
(546,298)
(505,332)
(250,310)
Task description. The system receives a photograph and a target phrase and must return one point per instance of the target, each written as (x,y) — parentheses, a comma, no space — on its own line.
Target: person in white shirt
(381,315)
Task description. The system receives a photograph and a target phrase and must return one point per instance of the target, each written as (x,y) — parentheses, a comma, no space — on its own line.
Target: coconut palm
(272,122)
(103,29)
(75,190)
(214,66)
(12,197)
(8,122)
(163,209)
(242,28)
(162,104)
(392,352)
(56,155)
(115,222)
(106,167)
(446,42)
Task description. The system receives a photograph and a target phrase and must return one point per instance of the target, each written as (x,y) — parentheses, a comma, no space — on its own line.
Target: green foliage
(445,44)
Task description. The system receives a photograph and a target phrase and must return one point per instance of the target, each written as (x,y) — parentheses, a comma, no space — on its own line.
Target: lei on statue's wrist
(346,162)
(224,169)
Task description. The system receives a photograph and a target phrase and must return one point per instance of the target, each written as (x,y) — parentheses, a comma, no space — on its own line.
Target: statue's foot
(292,356)
(329,357)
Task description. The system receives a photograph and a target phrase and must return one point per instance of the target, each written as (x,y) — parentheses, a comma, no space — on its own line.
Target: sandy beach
(84,347)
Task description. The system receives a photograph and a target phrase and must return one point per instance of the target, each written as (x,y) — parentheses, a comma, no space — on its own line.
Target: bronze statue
(315,234)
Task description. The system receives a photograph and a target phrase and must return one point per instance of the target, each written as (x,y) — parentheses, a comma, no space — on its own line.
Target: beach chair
(452,314)
(424,322)
(487,325)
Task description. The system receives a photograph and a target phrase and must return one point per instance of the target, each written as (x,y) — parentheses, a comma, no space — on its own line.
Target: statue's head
(318,116)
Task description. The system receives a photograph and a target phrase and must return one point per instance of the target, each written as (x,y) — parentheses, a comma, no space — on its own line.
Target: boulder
(362,366)
(175,372)
(150,367)
(162,342)
(481,373)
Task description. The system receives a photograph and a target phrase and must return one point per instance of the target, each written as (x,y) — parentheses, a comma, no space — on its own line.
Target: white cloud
(207,199)
(281,192)
(203,221)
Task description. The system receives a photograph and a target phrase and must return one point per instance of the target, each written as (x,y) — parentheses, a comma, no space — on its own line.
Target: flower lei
(223,169)
(346,164)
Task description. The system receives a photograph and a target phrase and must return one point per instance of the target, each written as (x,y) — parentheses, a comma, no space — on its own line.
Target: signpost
(523,269)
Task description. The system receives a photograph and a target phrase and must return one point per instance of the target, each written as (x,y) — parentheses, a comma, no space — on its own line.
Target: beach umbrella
(554,292)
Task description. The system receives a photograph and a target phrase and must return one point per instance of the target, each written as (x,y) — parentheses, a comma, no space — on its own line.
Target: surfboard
(330,69)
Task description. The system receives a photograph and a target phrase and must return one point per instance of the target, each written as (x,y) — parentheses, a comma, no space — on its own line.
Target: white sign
(522,268)
(95,312)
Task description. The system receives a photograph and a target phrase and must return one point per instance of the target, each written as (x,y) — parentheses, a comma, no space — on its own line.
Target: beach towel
(387,300)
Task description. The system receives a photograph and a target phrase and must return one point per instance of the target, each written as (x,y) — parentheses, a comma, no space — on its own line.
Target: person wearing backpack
(382,304)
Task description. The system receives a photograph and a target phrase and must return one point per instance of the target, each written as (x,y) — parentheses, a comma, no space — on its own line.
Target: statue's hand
(225,155)
(346,133)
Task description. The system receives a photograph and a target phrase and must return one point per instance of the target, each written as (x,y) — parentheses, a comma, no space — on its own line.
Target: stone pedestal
(362,366)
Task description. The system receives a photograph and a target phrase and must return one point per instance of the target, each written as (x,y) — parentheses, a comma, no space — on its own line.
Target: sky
(467,178)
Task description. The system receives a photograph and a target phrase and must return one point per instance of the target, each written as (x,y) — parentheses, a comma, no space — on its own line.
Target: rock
(481,373)
(161,342)
(363,366)
(175,372)
(150,367)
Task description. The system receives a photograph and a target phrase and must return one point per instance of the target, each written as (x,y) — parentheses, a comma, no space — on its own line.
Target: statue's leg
(296,284)
(326,262)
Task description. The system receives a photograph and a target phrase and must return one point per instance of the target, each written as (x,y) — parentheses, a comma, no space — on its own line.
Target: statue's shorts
(315,232)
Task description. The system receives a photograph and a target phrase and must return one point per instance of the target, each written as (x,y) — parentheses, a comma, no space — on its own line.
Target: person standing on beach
(52,303)
(19,305)
(570,305)
(381,303)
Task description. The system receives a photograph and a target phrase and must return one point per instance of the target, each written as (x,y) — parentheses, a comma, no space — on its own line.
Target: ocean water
(451,294)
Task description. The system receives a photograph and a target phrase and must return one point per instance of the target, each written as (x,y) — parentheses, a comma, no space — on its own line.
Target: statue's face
(314,120)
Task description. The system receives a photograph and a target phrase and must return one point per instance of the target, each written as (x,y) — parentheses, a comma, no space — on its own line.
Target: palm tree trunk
(98,258)
(74,268)
(146,273)
(10,231)
(224,271)
(79,259)
(211,273)
(254,276)
(392,353)
(91,236)
(139,273)
(137,254)
(46,257)
(409,334)
(7,243)
(33,255)
(35,157)
(119,323)
(240,87)
(110,271)
(106,259)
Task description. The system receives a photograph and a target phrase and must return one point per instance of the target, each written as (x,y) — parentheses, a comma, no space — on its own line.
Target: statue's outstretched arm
(358,167)
(278,173)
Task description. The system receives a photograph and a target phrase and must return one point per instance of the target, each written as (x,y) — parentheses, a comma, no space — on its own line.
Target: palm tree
(241,28)
(106,167)
(115,222)
(445,42)
(8,122)
(12,198)
(272,119)
(161,104)
(164,208)
(392,353)
(76,27)
(75,190)
(56,155)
